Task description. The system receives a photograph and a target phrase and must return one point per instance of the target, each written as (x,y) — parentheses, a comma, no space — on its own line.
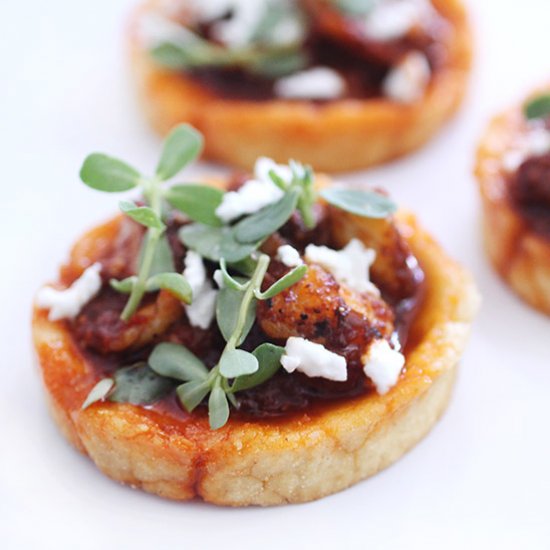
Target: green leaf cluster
(237,369)
(156,268)
(234,247)
(263,53)
(538,107)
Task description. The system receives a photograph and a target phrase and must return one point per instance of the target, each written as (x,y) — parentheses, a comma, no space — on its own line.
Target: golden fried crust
(292,459)
(519,255)
(341,135)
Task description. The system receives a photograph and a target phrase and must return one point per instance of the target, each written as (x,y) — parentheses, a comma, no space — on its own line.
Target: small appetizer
(513,170)
(340,84)
(264,341)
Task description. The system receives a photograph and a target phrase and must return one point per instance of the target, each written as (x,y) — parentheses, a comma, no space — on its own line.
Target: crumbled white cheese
(349,266)
(313,360)
(383,365)
(246,16)
(315,83)
(235,31)
(202,309)
(535,142)
(289,256)
(264,165)
(393,19)
(66,304)
(249,198)
(407,81)
(255,193)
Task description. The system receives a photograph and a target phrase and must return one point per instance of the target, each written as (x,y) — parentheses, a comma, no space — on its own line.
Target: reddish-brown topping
(316,308)
(530,191)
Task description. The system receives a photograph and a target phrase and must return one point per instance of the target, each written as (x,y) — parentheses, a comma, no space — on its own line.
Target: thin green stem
(153,192)
(255,283)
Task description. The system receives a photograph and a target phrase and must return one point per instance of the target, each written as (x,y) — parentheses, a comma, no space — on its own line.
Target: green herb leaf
(163,260)
(304,174)
(192,393)
(245,267)
(171,56)
(218,408)
(142,214)
(232,250)
(356,7)
(182,146)
(275,13)
(175,361)
(292,277)
(203,239)
(193,51)
(367,204)
(277,180)
(125,286)
(214,243)
(139,385)
(258,226)
(237,362)
(199,202)
(108,174)
(174,283)
(228,305)
(99,391)
(269,359)
(538,107)
(279,63)
(228,280)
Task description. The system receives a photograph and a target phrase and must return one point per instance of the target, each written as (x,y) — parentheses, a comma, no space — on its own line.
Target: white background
(480,480)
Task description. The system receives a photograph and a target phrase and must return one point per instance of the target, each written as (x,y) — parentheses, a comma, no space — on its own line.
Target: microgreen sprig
(265,51)
(356,7)
(537,107)
(235,314)
(105,173)
(235,247)
(237,242)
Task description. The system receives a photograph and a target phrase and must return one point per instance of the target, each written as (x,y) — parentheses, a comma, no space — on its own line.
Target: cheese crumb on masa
(314,83)
(383,365)
(349,266)
(407,81)
(66,304)
(393,19)
(289,256)
(313,360)
(254,194)
(202,309)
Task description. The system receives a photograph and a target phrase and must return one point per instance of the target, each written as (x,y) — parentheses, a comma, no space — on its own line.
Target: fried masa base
(519,255)
(338,136)
(287,460)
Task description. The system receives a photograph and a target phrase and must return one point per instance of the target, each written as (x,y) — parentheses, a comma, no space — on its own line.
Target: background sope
(480,479)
